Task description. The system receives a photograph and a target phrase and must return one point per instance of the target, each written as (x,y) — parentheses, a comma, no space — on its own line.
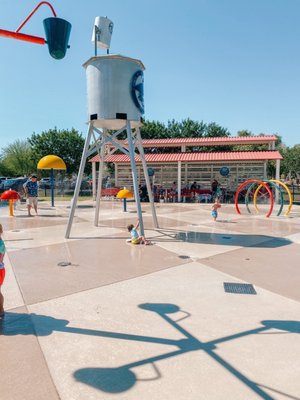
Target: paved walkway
(150,322)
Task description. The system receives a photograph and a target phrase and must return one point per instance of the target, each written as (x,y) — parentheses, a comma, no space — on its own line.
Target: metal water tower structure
(115,96)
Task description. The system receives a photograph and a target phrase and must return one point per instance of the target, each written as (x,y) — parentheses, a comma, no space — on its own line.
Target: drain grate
(64,264)
(240,288)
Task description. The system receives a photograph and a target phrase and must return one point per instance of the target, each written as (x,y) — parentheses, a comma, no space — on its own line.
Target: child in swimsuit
(135,237)
(214,209)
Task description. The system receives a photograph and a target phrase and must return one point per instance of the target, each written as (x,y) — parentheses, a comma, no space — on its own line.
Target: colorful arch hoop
(256,193)
(247,196)
(289,194)
(260,183)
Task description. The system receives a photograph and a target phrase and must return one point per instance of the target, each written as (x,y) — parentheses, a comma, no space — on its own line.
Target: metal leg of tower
(134,177)
(99,186)
(149,189)
(79,180)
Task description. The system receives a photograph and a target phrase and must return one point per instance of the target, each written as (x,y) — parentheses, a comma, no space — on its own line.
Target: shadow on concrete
(232,239)
(122,378)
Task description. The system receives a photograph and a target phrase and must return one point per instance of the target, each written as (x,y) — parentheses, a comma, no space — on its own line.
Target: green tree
(215,130)
(66,144)
(251,147)
(290,165)
(153,130)
(17,159)
(4,170)
(186,128)
(244,132)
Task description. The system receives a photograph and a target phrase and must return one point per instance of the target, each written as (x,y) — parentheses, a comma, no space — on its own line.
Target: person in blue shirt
(31,190)
(136,238)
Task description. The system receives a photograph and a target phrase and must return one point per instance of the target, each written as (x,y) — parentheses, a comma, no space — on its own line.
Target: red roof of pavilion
(196,157)
(209,141)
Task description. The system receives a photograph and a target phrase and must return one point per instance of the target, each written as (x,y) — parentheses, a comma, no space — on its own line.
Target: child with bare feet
(31,190)
(214,209)
(136,238)
(2,271)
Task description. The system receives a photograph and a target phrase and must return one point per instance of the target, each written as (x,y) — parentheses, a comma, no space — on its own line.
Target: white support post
(148,185)
(277,173)
(99,186)
(79,180)
(265,170)
(116,175)
(94,183)
(277,177)
(134,177)
(139,174)
(186,174)
(179,182)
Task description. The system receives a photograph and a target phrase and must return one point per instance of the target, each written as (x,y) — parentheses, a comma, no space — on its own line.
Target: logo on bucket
(137,90)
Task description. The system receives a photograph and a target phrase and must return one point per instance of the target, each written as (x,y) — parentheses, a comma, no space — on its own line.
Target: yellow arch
(279,183)
(255,197)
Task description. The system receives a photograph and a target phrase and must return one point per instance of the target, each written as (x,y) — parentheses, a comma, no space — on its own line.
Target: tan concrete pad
(174,334)
(23,222)
(273,268)
(95,262)
(204,241)
(125,219)
(190,340)
(10,289)
(259,225)
(24,372)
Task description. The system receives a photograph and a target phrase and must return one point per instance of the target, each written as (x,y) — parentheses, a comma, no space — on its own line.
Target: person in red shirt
(2,271)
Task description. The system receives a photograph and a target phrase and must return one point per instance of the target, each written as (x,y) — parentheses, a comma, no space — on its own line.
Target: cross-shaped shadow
(122,378)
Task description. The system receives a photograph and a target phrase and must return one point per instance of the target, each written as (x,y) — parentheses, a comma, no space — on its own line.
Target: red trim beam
(22,36)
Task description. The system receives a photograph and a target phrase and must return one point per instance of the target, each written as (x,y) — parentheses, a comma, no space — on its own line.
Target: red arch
(260,183)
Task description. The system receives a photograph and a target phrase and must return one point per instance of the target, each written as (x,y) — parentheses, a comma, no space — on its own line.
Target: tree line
(20,158)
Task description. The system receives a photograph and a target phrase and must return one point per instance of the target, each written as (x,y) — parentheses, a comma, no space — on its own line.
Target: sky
(232,62)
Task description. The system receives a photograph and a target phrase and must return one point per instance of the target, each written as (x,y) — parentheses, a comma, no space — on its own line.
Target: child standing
(214,209)
(135,237)
(2,271)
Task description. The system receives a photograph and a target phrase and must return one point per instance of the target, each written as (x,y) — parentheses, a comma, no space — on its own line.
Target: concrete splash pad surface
(153,322)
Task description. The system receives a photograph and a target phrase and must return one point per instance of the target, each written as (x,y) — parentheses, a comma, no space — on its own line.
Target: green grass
(64,198)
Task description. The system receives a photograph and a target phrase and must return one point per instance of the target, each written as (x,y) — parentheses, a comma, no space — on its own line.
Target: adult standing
(193,189)
(31,191)
(214,188)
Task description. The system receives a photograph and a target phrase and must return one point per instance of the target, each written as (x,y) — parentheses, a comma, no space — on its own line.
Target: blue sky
(233,62)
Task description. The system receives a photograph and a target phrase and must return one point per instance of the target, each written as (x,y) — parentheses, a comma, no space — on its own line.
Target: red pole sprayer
(57,32)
